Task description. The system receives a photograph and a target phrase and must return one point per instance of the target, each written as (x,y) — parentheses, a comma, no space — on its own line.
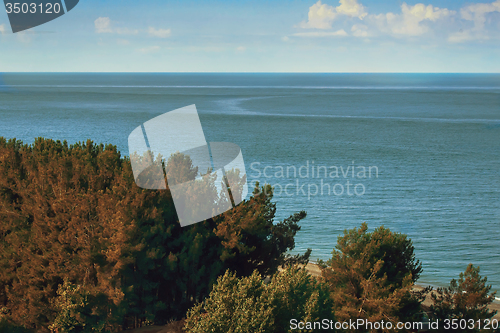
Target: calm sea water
(431,142)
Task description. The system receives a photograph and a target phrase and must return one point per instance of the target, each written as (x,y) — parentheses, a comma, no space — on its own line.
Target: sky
(446,36)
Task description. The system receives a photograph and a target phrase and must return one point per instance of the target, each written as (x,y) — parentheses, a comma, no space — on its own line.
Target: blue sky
(260,36)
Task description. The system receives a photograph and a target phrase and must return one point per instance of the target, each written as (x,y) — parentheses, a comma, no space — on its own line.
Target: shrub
(465,300)
(79,311)
(241,305)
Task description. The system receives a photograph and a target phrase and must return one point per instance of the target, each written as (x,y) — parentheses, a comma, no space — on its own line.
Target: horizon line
(231,72)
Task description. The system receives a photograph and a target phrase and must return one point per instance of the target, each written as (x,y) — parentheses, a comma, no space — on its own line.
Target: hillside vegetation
(84,249)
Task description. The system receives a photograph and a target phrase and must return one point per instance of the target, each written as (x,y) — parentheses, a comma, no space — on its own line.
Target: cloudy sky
(260,36)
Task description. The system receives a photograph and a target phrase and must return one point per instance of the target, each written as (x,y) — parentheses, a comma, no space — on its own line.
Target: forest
(84,249)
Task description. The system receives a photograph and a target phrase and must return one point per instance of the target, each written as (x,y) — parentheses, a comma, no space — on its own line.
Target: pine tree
(371,276)
(74,213)
(252,239)
(464,301)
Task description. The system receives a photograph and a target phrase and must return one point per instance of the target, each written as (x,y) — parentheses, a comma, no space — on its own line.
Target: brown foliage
(465,300)
(73,213)
(371,275)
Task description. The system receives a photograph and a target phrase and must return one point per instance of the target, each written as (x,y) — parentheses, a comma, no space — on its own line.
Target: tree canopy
(247,304)
(72,217)
(371,275)
(465,301)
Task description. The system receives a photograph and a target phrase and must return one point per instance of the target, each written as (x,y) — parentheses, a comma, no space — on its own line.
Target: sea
(416,153)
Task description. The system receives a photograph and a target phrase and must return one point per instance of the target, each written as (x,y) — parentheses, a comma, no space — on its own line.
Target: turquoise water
(432,142)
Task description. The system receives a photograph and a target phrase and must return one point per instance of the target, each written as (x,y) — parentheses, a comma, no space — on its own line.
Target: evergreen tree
(464,303)
(74,213)
(371,275)
(252,239)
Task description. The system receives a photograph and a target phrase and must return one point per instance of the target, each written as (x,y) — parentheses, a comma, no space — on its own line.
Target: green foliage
(468,298)
(6,327)
(253,240)
(74,213)
(78,311)
(241,305)
(394,249)
(371,275)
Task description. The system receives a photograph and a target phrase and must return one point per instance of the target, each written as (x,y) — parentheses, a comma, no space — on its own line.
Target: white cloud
(460,37)
(241,49)
(2,29)
(479,14)
(479,21)
(470,35)
(321,15)
(351,8)
(338,33)
(103,25)
(359,30)
(161,33)
(478,11)
(411,21)
(150,49)
(285,39)
(413,16)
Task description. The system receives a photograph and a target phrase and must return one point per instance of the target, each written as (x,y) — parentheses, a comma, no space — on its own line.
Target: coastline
(315,271)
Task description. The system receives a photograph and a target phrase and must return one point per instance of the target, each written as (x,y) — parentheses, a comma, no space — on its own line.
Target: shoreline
(315,271)
(313,266)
